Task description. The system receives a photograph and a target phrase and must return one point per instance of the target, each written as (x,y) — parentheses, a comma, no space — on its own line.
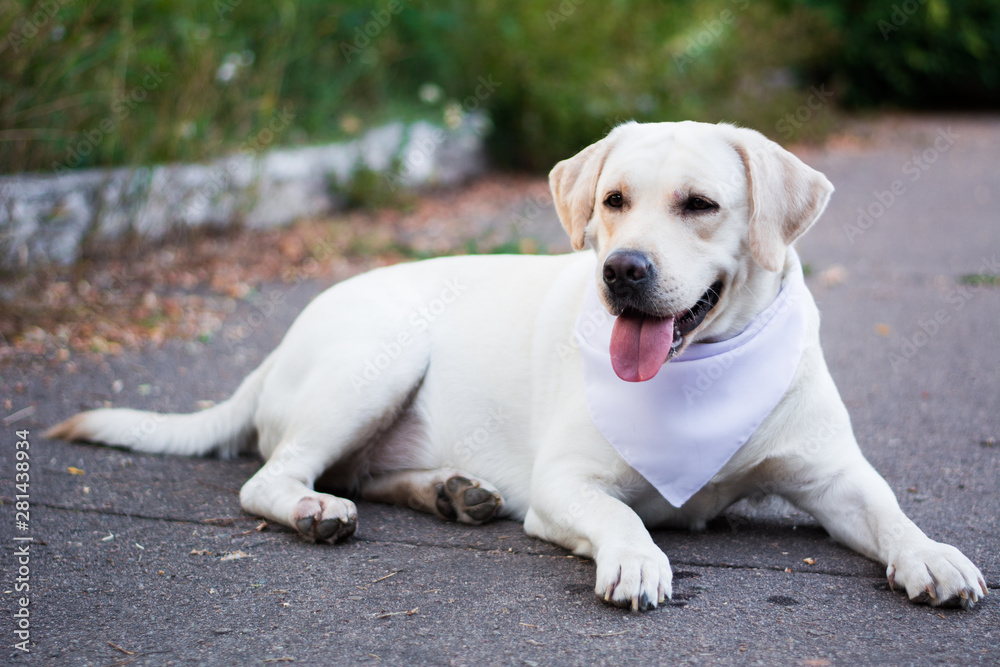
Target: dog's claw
(633,579)
(938,575)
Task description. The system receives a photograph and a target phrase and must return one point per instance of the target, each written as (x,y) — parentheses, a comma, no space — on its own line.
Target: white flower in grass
(430,93)
(232,64)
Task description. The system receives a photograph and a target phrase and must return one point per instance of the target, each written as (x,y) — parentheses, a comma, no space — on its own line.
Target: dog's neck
(759,289)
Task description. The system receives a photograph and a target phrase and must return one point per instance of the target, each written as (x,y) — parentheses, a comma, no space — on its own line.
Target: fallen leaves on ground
(130,295)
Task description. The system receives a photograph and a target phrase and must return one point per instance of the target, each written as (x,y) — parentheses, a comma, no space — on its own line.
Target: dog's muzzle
(643,340)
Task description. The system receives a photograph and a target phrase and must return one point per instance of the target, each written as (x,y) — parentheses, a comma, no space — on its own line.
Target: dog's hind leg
(446,493)
(281,491)
(317,421)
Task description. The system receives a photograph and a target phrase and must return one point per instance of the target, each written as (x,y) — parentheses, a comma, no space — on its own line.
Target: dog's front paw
(326,518)
(635,577)
(937,574)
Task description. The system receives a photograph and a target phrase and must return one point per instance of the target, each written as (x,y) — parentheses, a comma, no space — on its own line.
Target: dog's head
(691,223)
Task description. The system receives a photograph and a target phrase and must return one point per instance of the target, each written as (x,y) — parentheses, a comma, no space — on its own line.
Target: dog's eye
(699,204)
(614,200)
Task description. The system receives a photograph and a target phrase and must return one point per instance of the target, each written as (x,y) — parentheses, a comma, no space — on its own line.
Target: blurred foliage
(369,189)
(146,81)
(570,71)
(138,81)
(915,53)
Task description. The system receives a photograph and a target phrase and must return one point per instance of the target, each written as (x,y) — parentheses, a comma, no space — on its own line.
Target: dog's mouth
(641,343)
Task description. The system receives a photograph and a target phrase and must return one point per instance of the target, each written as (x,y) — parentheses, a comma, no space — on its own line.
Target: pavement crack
(463,547)
(768,568)
(136,515)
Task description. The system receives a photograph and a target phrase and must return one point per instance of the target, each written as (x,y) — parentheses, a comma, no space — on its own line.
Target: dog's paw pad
(455,484)
(305,524)
(325,518)
(327,528)
(481,505)
(465,500)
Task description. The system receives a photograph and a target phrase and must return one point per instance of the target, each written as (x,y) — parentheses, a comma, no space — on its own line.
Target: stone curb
(49,218)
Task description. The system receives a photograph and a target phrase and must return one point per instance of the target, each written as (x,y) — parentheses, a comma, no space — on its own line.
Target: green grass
(989,279)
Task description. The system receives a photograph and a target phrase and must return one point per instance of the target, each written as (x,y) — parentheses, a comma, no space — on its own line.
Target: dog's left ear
(573,183)
(786,196)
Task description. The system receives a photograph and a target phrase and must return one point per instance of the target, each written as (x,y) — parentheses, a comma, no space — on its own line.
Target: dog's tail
(223,428)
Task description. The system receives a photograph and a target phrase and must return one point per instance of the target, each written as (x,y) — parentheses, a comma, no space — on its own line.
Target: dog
(668,368)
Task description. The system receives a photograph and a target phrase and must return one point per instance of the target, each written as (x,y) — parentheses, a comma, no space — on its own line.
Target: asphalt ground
(149,560)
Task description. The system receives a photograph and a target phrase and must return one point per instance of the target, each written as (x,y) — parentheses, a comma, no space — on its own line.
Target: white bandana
(682,426)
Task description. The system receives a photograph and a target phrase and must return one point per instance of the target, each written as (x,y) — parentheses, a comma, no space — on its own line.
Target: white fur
(396,381)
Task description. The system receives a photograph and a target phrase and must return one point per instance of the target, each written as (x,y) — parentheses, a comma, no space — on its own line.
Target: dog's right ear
(574,188)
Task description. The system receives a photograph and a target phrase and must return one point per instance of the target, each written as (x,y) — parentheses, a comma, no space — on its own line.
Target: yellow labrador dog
(652,380)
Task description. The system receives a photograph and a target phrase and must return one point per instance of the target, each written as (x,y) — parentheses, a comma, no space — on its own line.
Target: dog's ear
(574,187)
(786,196)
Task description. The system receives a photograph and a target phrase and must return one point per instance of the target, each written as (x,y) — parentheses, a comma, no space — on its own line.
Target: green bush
(916,53)
(569,70)
(107,82)
(147,81)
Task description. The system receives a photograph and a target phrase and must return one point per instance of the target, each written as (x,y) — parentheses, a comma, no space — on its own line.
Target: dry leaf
(835,275)
(128,298)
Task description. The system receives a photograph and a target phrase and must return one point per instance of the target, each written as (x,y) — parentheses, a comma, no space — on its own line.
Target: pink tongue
(640,345)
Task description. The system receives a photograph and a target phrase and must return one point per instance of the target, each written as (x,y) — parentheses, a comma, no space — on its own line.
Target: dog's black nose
(627,272)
